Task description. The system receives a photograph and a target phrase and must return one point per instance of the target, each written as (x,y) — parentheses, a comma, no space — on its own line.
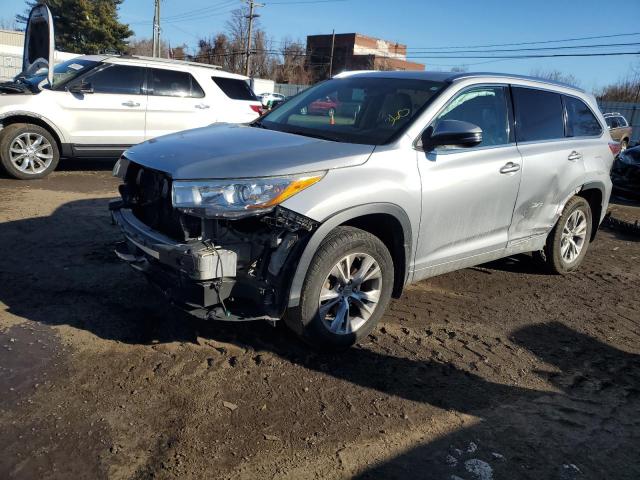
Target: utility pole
(251,16)
(333,42)
(156,50)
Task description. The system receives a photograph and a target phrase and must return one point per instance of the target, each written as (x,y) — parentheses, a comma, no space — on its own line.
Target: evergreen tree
(86,26)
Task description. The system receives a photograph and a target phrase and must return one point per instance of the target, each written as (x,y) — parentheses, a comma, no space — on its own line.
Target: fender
(596,184)
(25,113)
(336,220)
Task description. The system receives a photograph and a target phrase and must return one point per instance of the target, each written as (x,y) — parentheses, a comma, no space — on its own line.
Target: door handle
(510,167)
(202,106)
(130,103)
(574,156)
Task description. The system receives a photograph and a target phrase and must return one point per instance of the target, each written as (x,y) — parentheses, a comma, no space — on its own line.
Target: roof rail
(171,61)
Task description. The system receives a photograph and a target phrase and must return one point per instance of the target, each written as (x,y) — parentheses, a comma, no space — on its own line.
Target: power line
(449,47)
(535,49)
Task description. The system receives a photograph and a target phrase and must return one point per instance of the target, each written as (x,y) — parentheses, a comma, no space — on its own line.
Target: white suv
(98,106)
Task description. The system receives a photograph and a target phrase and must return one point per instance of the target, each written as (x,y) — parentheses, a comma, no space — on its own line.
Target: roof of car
(452,76)
(215,69)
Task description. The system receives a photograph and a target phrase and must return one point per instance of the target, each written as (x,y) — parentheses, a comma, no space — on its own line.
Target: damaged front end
(228,268)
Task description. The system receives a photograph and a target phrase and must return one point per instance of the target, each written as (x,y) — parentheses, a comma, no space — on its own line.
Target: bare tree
(556,76)
(144,47)
(627,89)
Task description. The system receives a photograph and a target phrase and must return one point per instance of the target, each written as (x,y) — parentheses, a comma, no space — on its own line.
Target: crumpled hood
(240,151)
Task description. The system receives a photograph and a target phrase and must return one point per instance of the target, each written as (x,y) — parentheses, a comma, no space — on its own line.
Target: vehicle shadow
(65,273)
(89,164)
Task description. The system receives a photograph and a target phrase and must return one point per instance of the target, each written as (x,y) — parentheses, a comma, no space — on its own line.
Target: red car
(323,106)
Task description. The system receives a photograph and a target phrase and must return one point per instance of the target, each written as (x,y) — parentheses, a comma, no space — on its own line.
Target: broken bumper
(195,276)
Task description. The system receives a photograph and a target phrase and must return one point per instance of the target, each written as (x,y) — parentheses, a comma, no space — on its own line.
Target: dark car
(625,173)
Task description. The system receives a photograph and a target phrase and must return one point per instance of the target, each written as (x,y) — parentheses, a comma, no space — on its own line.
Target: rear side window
(581,122)
(539,115)
(622,122)
(234,88)
(170,83)
(118,79)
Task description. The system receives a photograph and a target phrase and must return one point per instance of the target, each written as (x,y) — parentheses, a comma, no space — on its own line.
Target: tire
(43,153)
(558,257)
(319,322)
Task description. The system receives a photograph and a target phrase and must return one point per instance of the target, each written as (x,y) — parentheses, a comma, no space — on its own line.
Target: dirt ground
(495,372)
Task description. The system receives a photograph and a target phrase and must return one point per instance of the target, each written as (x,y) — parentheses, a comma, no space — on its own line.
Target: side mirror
(451,133)
(81,88)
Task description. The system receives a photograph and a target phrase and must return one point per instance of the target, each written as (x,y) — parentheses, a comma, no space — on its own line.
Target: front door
(112,117)
(468,195)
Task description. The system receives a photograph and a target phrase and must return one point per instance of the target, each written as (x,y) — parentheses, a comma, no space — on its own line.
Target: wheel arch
(593,193)
(28,117)
(387,221)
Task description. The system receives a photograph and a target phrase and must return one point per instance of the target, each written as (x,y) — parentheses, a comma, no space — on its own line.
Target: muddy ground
(498,372)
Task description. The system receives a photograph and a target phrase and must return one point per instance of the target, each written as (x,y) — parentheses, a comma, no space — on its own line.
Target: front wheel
(568,242)
(346,290)
(28,151)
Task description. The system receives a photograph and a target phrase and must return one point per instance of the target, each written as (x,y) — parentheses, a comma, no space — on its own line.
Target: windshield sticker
(76,66)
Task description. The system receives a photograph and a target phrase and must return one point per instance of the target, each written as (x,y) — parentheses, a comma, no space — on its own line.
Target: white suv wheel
(31,153)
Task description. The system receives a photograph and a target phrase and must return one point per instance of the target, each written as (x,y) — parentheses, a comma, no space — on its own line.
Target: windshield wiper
(258,124)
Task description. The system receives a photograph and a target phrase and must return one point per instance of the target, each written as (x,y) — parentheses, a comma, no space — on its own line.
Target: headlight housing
(239,197)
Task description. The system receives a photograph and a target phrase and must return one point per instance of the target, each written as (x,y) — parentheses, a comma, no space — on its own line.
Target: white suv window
(117,79)
(172,83)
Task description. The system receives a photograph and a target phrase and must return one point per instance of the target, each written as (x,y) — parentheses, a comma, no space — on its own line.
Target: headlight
(237,198)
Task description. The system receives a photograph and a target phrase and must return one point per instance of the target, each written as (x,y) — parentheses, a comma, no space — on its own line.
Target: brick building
(353,51)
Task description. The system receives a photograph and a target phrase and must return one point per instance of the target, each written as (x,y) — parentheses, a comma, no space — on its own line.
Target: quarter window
(117,79)
(485,107)
(581,122)
(539,115)
(171,83)
(235,88)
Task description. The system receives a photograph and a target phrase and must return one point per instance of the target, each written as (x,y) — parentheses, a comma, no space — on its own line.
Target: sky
(423,24)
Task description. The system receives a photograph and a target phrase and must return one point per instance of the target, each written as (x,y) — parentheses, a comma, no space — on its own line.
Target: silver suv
(320,219)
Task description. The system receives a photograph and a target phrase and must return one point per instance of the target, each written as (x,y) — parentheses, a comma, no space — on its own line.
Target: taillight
(615,148)
(257,109)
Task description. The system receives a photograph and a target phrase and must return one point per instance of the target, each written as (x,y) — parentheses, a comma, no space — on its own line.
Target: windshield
(355,110)
(63,72)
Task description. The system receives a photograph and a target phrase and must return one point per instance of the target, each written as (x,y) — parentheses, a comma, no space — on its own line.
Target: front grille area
(148,193)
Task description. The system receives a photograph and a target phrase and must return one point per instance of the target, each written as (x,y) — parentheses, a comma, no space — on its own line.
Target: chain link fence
(630,111)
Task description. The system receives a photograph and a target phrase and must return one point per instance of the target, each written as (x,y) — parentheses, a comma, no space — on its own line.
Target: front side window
(118,79)
(485,107)
(171,83)
(622,122)
(366,110)
(539,115)
(581,122)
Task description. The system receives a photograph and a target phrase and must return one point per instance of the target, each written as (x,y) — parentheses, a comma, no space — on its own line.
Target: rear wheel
(346,290)
(568,242)
(28,151)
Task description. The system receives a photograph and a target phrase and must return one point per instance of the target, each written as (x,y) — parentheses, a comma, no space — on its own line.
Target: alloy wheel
(573,236)
(350,293)
(31,153)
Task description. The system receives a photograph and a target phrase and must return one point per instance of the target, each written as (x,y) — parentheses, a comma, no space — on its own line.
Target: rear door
(176,101)
(553,156)
(111,118)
